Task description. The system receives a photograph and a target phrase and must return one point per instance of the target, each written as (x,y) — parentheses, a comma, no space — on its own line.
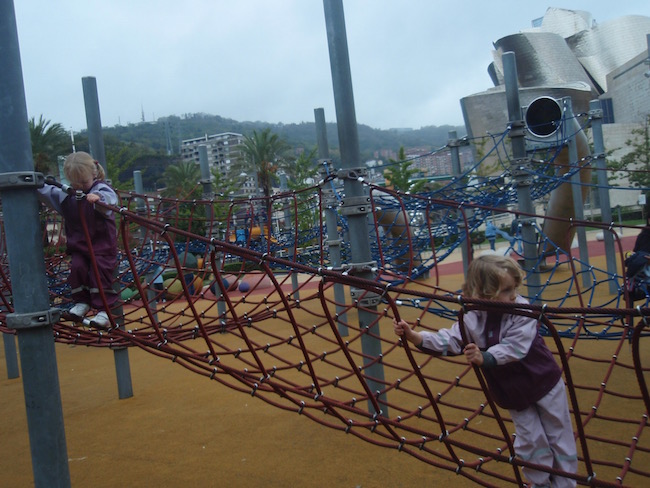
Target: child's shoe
(79,310)
(100,320)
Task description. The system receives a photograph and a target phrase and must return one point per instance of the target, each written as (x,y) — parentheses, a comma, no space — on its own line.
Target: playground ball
(216,290)
(174,287)
(197,284)
(187,260)
(169,273)
(244,286)
(232,281)
(127,294)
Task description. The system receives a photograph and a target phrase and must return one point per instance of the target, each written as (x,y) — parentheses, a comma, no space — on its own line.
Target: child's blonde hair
(484,275)
(81,165)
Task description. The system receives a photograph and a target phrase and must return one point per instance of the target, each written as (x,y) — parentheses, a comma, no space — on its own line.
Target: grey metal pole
(284,186)
(32,317)
(141,207)
(454,146)
(356,204)
(93,120)
(576,190)
(8,340)
(208,194)
(521,175)
(331,217)
(96,143)
(596,116)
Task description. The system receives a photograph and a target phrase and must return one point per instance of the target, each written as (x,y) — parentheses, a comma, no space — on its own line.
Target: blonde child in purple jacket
(87,175)
(521,372)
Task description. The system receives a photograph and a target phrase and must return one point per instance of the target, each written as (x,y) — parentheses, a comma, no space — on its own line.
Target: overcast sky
(267,60)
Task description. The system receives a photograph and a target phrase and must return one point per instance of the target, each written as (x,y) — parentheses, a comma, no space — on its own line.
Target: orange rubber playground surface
(180,429)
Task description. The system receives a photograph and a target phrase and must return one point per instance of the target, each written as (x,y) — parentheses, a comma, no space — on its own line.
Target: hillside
(174,129)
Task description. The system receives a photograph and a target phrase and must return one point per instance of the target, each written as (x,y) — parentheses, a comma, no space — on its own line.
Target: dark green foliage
(49,141)
(400,174)
(302,135)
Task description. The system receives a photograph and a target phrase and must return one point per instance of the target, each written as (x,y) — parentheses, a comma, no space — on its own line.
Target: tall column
(330,203)
(356,203)
(521,175)
(96,143)
(32,317)
(576,190)
(596,116)
(466,245)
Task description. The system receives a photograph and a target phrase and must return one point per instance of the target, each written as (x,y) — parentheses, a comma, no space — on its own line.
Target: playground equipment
(551,130)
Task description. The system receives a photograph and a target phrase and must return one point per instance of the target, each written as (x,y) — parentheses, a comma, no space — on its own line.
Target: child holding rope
(520,370)
(87,175)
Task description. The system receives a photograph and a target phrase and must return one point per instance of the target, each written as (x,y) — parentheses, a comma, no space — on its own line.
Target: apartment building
(224,150)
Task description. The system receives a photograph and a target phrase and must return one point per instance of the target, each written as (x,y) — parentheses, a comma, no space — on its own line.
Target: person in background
(491,234)
(86,176)
(642,242)
(520,370)
(515,233)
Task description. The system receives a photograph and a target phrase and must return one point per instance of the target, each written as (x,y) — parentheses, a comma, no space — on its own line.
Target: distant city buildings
(223,150)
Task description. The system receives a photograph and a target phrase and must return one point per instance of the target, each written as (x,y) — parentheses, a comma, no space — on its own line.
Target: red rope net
(286,337)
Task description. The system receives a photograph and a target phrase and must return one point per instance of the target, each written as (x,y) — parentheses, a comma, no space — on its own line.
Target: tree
(182,181)
(636,162)
(401,174)
(302,170)
(48,143)
(264,155)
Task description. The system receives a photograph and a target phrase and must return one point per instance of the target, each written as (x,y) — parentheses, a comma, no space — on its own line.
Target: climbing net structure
(248,293)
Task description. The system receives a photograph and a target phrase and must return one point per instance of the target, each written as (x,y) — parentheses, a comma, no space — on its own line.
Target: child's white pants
(545,436)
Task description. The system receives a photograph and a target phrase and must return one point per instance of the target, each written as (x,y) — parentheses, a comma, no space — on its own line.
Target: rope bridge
(256,311)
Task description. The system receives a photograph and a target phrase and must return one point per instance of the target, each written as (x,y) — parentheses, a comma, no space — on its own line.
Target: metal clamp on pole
(355,205)
(334,242)
(527,221)
(521,171)
(458,142)
(358,268)
(21,179)
(328,191)
(596,114)
(31,320)
(518,128)
(352,173)
(365,298)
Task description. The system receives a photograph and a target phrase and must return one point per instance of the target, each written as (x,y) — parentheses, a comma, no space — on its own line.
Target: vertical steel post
(141,208)
(32,317)
(96,143)
(454,146)
(521,175)
(208,194)
(596,116)
(572,128)
(356,203)
(331,217)
(284,186)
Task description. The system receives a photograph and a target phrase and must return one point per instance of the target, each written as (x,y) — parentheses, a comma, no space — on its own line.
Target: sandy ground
(181,429)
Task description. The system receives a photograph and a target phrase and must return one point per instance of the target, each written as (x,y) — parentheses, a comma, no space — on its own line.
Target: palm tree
(182,180)
(48,143)
(263,155)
